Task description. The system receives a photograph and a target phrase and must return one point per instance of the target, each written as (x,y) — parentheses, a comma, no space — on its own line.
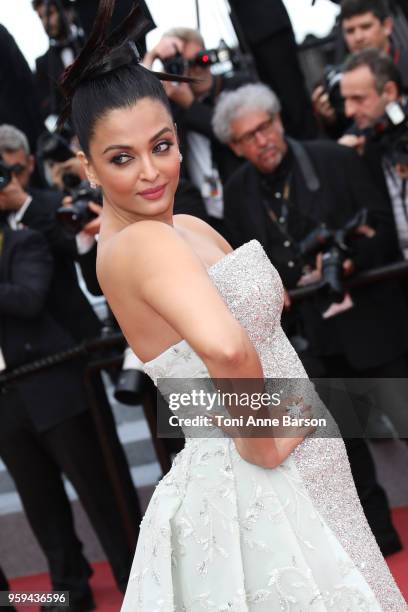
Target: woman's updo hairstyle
(107,74)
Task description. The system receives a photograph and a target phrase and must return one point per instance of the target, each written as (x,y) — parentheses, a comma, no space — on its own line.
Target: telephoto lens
(332,273)
(6,172)
(5,175)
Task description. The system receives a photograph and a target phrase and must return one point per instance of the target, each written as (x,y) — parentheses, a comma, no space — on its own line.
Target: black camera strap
(305,163)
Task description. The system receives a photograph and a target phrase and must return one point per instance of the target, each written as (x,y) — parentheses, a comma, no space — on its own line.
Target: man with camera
(282,194)
(374,100)
(37,208)
(59,412)
(208,162)
(35,441)
(365,24)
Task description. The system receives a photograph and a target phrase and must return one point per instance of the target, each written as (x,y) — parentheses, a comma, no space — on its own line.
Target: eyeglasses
(264,128)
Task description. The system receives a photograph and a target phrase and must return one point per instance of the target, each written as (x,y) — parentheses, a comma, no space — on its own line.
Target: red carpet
(398,563)
(108,598)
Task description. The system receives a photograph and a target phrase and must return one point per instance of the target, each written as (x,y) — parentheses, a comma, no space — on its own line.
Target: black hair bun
(105,52)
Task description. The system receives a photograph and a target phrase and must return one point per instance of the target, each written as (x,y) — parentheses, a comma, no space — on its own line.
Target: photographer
(371,86)
(207,161)
(71,311)
(284,192)
(37,208)
(46,428)
(365,24)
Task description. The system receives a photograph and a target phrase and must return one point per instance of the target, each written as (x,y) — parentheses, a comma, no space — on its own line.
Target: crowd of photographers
(325,210)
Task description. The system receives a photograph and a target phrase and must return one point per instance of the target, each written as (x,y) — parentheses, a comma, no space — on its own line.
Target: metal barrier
(391,271)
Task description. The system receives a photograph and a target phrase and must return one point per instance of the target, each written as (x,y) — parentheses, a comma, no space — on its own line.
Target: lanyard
(282,223)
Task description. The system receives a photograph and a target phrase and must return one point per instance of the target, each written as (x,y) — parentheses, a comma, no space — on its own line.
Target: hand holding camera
(70,167)
(354,142)
(166,48)
(81,210)
(322,105)
(333,250)
(92,228)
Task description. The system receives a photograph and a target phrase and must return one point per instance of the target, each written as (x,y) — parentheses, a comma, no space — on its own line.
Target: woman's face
(134,157)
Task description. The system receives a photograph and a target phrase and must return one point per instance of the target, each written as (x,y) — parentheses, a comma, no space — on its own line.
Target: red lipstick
(155,193)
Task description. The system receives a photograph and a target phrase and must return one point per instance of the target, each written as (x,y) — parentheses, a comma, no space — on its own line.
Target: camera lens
(74,218)
(332,273)
(5,175)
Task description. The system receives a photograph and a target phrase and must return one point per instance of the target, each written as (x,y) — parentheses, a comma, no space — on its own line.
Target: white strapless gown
(222,535)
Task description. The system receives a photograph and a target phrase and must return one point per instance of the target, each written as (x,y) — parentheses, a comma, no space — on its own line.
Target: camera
(178,65)
(6,172)
(331,84)
(392,132)
(53,148)
(335,248)
(74,218)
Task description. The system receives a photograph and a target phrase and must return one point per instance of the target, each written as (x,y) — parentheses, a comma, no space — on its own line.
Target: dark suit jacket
(87,9)
(68,304)
(18,100)
(375,330)
(48,71)
(261,18)
(28,331)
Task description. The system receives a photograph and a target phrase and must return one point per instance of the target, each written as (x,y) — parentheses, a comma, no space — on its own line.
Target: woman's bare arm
(156,266)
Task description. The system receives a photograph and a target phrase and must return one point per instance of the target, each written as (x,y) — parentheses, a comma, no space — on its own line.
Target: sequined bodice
(253,291)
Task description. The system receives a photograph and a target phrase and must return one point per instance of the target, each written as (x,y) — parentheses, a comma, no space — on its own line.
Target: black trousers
(372,496)
(4,585)
(36,462)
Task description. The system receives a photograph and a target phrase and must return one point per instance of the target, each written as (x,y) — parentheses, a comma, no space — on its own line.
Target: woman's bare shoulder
(195,224)
(139,248)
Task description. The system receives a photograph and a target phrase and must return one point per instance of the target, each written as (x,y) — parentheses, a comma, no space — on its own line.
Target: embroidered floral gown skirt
(223,535)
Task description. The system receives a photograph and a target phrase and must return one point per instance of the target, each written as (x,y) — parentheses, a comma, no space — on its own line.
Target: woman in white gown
(243,524)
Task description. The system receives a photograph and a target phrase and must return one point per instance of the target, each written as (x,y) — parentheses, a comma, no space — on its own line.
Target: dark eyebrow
(124,146)
(163,131)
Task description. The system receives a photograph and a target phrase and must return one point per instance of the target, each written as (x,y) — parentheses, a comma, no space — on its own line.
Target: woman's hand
(282,438)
